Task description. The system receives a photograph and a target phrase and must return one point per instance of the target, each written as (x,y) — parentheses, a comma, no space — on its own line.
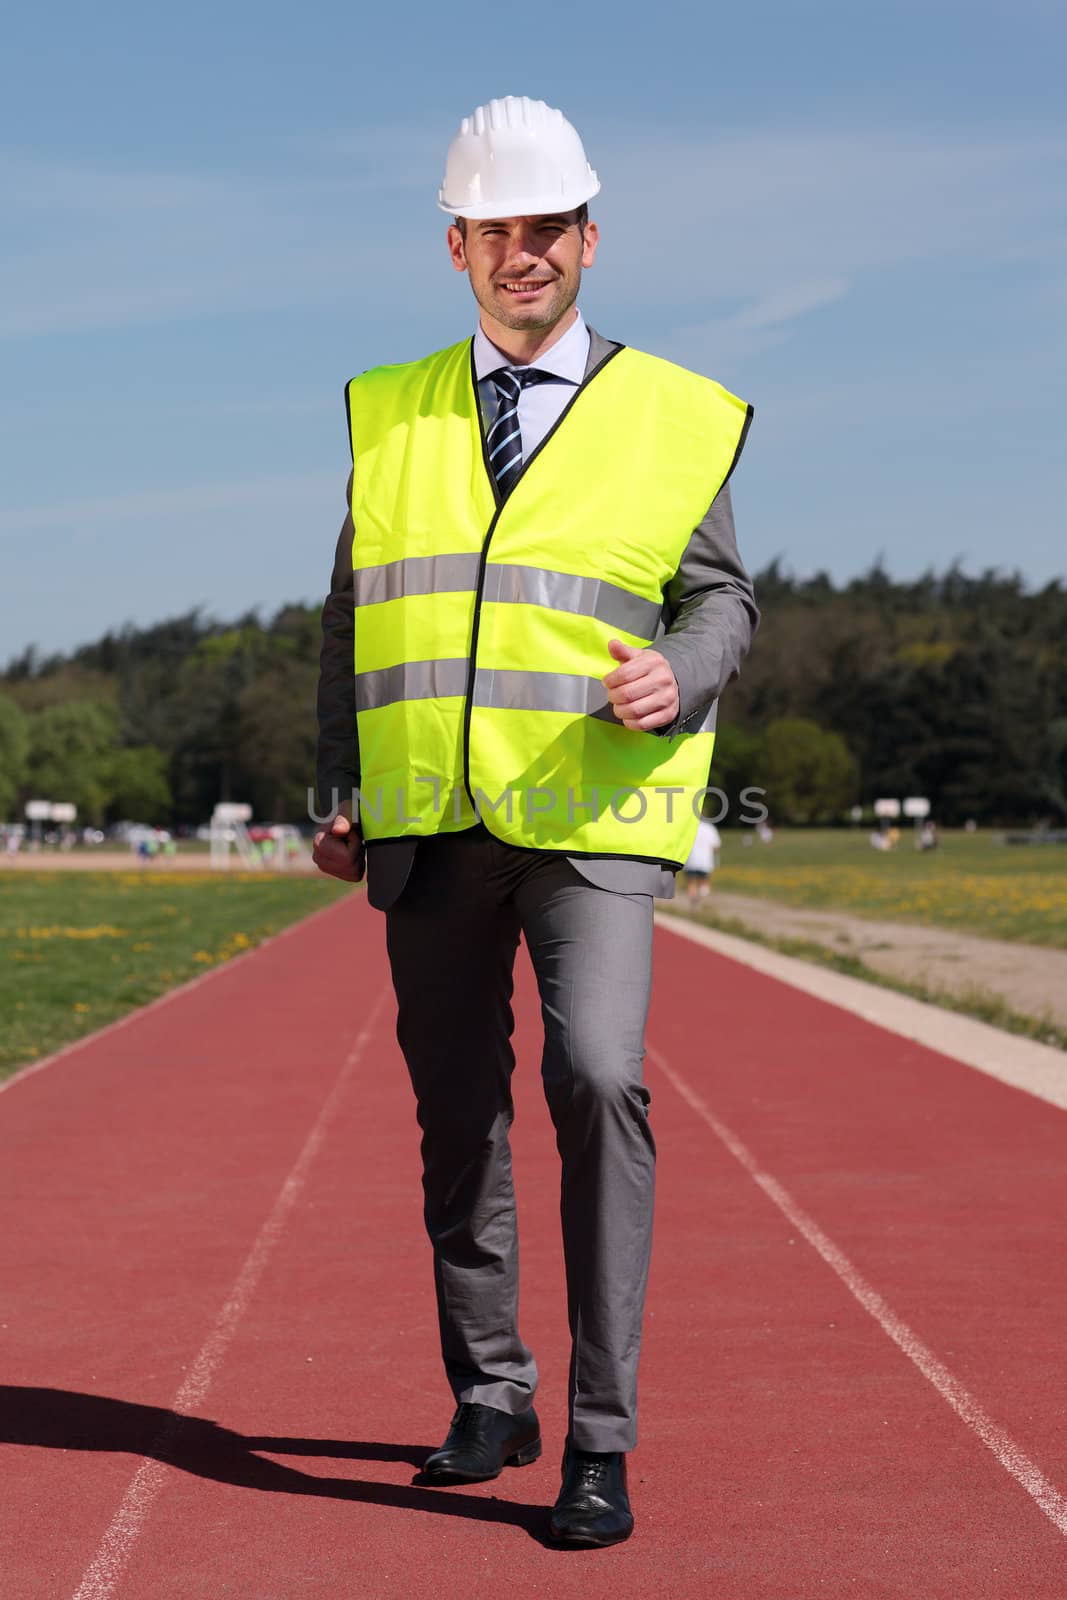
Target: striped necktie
(504,440)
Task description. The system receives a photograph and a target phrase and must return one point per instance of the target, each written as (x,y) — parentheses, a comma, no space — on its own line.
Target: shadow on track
(62,1419)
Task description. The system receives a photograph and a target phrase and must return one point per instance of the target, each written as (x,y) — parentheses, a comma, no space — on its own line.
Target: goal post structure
(282,850)
(229,830)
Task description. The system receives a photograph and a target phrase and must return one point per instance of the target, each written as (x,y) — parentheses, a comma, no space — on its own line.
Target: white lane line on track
(21,1074)
(1011,1457)
(108,1565)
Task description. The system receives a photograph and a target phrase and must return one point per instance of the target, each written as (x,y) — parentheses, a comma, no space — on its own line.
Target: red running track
(214,1210)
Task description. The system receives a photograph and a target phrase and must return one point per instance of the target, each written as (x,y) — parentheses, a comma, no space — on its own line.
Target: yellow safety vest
(482,626)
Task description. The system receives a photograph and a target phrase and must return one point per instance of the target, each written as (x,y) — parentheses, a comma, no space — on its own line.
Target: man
(540,582)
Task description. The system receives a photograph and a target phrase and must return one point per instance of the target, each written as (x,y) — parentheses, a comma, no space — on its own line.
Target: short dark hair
(581,217)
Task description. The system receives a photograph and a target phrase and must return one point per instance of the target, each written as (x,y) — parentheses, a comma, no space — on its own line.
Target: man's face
(525,271)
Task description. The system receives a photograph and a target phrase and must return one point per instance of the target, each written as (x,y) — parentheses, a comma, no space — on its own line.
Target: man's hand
(339,849)
(642,689)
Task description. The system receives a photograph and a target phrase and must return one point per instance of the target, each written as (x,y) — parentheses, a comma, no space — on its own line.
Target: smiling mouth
(526,285)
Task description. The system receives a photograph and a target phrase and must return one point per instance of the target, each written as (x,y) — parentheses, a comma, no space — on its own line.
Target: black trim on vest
(740,446)
(501,501)
(348,415)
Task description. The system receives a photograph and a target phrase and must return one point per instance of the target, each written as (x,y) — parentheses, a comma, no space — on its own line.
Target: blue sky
(851,215)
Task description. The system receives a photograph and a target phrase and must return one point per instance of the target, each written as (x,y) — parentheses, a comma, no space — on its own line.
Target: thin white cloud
(100,249)
(374,157)
(193,502)
(759,231)
(720,227)
(774,309)
(762,322)
(769,210)
(227,547)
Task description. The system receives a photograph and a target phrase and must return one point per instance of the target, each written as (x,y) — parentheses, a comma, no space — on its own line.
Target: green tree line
(949,686)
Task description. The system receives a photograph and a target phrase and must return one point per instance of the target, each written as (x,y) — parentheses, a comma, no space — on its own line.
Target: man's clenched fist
(339,850)
(643,690)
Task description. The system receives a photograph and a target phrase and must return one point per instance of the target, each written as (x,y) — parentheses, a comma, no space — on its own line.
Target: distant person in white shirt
(703,859)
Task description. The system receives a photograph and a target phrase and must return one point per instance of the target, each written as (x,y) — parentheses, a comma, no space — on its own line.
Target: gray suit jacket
(709,617)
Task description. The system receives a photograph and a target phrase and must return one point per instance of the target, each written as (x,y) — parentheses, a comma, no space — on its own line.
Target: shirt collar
(567,358)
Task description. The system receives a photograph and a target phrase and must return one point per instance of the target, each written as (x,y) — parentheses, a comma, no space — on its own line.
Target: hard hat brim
(537,205)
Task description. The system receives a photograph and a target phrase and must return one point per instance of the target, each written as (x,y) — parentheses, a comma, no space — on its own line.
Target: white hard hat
(516,158)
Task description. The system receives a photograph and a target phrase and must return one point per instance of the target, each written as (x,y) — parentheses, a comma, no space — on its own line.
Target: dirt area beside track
(1028,979)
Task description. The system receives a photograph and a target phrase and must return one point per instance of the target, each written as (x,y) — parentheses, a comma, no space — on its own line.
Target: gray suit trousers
(452,936)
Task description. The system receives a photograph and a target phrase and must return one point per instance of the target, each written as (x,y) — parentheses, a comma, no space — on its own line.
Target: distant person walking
(702,860)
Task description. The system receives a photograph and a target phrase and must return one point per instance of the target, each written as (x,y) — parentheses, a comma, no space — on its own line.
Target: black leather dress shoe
(482,1441)
(593,1507)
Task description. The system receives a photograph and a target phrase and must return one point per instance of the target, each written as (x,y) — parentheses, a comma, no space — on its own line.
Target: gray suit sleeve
(337,759)
(710,615)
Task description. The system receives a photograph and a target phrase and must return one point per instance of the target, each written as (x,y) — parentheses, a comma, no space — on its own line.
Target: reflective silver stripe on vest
(541,691)
(446,574)
(503,689)
(412,680)
(507,583)
(566,591)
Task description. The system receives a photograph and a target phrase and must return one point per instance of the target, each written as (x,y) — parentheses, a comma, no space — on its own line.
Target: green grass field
(79,949)
(972,882)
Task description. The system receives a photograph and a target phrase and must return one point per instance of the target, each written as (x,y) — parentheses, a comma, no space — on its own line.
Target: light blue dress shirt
(540,405)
